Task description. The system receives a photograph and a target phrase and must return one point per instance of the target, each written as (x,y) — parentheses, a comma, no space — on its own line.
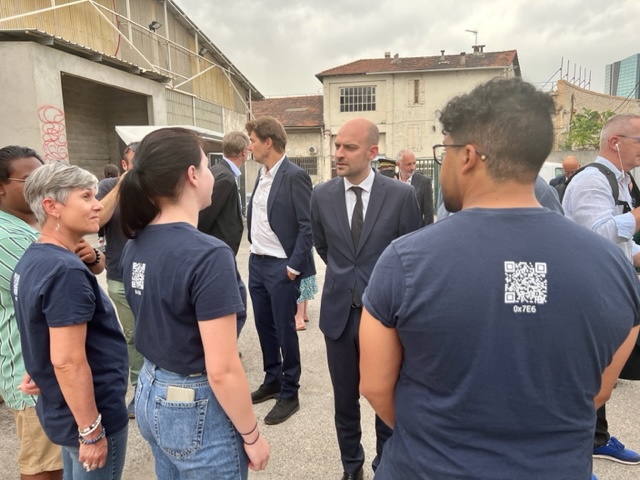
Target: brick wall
(571,99)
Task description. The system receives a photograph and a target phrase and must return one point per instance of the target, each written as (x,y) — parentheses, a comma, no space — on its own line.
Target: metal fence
(308,164)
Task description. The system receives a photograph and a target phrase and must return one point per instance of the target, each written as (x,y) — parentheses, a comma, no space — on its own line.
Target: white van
(550,170)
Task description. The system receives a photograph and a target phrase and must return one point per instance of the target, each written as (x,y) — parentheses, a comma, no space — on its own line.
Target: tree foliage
(584,131)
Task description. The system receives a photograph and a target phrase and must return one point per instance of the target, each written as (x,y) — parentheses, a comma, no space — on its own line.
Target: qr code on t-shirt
(525,283)
(137,276)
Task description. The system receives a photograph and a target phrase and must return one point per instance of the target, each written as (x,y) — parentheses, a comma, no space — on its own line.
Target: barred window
(357,99)
(308,164)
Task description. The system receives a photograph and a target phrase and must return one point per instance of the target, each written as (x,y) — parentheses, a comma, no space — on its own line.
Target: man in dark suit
(569,166)
(280,236)
(223,218)
(354,218)
(406,162)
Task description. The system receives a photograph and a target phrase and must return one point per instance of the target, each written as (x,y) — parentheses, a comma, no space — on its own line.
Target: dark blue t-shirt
(507,318)
(52,288)
(175,276)
(115,239)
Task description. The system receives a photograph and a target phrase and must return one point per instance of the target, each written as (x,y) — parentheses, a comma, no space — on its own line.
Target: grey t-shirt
(113,233)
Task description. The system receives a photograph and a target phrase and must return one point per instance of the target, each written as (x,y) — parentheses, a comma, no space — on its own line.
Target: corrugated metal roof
(59,43)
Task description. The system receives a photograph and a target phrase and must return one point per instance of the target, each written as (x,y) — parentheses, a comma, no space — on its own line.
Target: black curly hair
(508,120)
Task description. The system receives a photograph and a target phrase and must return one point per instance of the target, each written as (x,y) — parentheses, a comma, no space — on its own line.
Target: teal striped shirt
(15,238)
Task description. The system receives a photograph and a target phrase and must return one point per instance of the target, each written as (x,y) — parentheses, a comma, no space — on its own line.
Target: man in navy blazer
(389,210)
(280,235)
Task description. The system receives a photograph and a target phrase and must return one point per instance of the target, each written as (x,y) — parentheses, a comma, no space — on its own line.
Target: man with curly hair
(492,361)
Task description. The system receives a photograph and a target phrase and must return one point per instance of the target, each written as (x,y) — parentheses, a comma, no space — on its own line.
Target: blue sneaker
(593,477)
(614,450)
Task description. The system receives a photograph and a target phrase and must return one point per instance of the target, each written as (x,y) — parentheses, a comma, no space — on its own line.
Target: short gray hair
(617,125)
(234,143)
(55,180)
(402,153)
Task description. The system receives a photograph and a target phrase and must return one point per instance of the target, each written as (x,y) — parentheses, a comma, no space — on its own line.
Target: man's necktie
(357,218)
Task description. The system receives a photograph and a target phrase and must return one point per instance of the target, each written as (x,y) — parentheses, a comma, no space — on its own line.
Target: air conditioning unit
(313,150)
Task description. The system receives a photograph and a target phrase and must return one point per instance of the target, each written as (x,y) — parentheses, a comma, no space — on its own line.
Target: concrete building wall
(404,122)
(34,102)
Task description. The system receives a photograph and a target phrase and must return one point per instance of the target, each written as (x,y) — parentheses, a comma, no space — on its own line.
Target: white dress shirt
(350,197)
(263,240)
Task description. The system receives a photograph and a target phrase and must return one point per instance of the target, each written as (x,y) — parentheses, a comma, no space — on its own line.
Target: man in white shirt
(588,200)
(280,236)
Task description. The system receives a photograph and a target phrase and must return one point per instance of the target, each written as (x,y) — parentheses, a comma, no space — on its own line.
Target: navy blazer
(392,212)
(288,213)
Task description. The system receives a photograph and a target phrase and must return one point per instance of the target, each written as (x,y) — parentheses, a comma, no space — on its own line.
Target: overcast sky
(279,45)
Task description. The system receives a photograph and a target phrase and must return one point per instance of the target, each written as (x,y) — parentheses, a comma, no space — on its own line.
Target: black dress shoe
(353,476)
(284,408)
(264,393)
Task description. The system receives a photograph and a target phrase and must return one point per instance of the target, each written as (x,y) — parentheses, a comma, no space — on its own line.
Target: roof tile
(302,111)
(413,64)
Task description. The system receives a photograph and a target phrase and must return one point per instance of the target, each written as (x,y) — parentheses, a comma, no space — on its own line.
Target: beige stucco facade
(406,115)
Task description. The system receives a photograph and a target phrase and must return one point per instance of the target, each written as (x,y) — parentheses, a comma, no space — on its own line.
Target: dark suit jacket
(223,218)
(558,180)
(424,193)
(392,212)
(288,213)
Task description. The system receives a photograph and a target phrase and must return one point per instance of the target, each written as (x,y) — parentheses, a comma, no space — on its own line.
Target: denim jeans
(189,440)
(112,470)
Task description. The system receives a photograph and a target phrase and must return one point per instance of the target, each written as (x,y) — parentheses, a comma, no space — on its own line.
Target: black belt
(266,257)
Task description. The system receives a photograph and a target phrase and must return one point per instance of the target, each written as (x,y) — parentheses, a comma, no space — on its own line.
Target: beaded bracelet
(92,428)
(252,443)
(97,260)
(252,430)
(95,440)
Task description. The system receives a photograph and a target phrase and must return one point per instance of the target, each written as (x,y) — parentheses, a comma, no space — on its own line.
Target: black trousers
(343,356)
(601,436)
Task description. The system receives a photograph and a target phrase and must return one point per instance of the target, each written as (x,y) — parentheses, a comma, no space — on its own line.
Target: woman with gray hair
(73,346)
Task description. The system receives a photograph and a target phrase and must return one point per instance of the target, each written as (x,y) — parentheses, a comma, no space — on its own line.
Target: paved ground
(304,447)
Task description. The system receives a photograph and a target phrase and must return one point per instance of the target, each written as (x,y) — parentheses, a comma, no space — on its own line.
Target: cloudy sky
(279,45)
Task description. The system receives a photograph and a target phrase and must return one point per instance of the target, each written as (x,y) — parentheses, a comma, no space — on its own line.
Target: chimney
(443,60)
(478,49)
(396,58)
(442,55)
(387,54)
(463,59)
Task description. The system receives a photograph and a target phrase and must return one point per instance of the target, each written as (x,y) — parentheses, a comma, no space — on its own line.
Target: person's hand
(292,276)
(85,251)
(258,454)
(93,456)
(27,386)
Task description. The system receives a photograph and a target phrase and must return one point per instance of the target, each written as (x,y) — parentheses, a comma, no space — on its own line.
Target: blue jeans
(112,470)
(189,440)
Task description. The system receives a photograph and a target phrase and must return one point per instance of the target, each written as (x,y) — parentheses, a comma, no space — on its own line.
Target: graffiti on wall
(54,137)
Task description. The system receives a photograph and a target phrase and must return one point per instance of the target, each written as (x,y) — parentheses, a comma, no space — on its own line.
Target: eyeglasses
(637,139)
(440,150)
(17,179)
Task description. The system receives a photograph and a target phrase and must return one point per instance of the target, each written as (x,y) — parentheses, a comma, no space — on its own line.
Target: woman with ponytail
(192,400)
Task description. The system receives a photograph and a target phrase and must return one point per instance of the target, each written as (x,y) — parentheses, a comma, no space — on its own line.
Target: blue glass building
(622,78)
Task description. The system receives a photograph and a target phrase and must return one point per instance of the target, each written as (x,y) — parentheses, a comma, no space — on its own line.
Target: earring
(57,225)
